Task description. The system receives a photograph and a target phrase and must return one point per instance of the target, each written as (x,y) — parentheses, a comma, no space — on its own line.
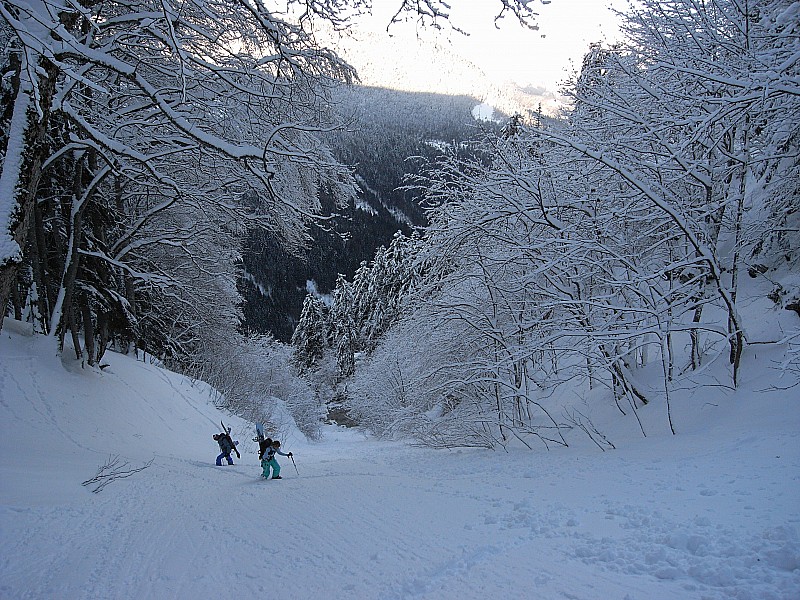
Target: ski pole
(295,465)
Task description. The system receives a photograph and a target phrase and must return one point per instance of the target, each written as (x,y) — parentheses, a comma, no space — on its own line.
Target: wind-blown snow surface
(710,513)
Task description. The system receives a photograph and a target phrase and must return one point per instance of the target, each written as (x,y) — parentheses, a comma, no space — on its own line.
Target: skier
(227,445)
(269,461)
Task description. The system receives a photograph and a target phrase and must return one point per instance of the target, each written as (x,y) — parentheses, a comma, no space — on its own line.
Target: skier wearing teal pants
(268,461)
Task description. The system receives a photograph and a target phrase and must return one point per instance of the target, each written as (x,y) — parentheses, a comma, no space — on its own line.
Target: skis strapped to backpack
(227,431)
(262,439)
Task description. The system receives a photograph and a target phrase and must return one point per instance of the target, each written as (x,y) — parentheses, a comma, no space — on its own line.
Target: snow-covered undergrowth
(712,513)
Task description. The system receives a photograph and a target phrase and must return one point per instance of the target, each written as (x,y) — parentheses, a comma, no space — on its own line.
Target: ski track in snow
(381,524)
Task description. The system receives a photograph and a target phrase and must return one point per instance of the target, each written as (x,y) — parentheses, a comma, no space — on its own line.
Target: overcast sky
(529,58)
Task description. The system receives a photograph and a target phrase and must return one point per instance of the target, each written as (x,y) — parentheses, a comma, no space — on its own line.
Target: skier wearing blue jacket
(227,445)
(268,461)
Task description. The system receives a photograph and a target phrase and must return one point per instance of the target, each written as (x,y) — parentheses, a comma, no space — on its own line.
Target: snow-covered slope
(711,513)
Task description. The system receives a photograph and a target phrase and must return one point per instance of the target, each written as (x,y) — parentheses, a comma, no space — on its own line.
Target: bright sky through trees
(509,52)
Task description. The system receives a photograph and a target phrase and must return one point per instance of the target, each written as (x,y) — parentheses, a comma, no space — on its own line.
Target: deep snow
(710,513)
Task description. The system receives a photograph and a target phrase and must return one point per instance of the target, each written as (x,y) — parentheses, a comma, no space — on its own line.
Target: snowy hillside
(712,513)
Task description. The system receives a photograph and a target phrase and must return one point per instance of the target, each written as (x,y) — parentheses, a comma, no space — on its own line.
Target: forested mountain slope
(388,134)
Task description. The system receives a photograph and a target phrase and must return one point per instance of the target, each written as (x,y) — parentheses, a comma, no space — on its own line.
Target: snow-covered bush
(254,374)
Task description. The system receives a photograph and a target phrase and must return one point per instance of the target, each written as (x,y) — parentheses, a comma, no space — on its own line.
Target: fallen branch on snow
(111,471)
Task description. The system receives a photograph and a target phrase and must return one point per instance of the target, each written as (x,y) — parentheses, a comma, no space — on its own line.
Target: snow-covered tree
(614,235)
(680,120)
(310,338)
(163,118)
(156,115)
(364,309)
(259,381)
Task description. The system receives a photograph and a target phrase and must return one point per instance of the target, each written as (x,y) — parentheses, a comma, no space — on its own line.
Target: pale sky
(537,58)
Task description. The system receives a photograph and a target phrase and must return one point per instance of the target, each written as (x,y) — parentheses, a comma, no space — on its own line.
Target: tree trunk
(88,329)
(22,165)
(39,262)
(104,335)
(737,335)
(73,327)
(694,334)
(16,300)
(63,311)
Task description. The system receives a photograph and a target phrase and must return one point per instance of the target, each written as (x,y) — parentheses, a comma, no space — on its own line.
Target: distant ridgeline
(387,128)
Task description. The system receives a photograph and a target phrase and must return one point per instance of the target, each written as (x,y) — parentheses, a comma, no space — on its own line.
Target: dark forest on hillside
(389,135)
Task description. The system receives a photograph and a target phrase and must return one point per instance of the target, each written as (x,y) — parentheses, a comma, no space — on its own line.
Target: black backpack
(263,446)
(225,442)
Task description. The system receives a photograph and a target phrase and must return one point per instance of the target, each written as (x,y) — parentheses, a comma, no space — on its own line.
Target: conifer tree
(310,337)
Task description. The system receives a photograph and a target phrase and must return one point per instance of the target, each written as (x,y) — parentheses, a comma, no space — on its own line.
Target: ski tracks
(380,521)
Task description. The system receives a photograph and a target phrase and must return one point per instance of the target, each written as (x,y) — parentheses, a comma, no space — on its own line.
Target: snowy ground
(712,513)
